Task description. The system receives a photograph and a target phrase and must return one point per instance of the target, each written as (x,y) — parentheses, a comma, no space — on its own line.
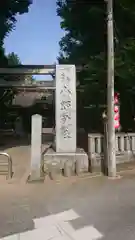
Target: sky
(37,33)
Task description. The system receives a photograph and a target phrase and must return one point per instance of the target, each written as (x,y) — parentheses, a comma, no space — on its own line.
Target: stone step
(3,178)
(3,163)
(3,169)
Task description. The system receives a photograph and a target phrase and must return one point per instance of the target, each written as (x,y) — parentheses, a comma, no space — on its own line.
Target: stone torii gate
(65,116)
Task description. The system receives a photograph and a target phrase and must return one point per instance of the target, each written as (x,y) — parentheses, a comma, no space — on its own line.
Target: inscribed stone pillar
(36,144)
(65,108)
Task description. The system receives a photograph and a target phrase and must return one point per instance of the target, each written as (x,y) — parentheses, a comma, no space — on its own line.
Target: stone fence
(125,147)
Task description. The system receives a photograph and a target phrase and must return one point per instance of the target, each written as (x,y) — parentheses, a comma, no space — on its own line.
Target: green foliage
(13,59)
(85,44)
(7,95)
(8,12)
(9,9)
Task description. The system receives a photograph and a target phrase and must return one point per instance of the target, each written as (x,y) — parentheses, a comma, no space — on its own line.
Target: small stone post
(36,144)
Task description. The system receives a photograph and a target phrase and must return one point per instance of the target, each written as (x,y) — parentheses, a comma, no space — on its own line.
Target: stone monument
(65,108)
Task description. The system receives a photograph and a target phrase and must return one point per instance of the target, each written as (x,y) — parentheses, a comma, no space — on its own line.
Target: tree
(9,9)
(8,12)
(85,44)
(7,95)
(13,59)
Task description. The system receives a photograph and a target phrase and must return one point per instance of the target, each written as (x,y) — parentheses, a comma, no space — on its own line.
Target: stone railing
(125,147)
(95,143)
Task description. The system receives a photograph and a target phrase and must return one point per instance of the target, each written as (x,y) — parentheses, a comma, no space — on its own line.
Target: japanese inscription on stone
(65,105)
(65,108)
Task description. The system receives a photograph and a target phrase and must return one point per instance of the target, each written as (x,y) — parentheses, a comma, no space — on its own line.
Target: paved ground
(105,206)
(19,149)
(95,208)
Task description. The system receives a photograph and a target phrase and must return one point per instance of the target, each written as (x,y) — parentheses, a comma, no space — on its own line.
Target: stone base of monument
(79,159)
(33,179)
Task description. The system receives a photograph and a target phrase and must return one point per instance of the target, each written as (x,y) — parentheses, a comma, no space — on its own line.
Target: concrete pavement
(104,207)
